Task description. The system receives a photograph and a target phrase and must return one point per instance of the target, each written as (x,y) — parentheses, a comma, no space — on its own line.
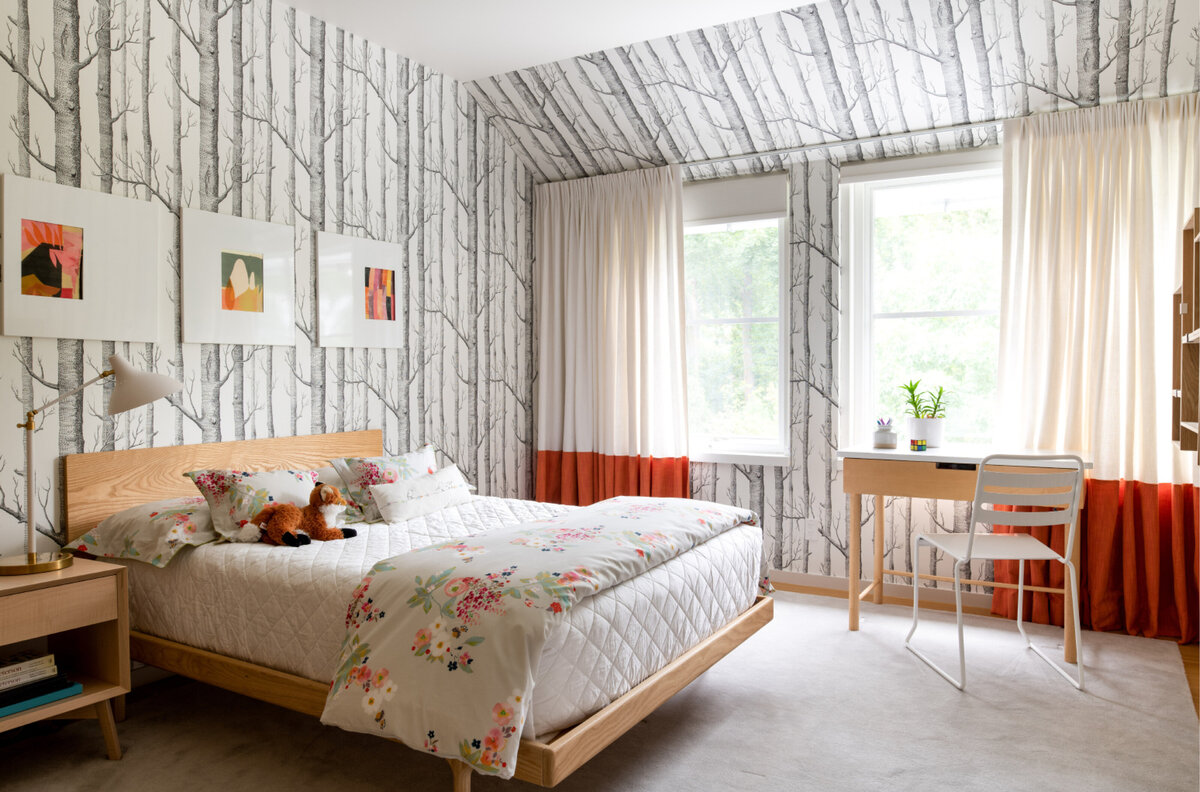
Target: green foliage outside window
(938,261)
(732,273)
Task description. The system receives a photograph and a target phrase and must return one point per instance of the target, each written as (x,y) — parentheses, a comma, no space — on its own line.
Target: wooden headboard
(105,482)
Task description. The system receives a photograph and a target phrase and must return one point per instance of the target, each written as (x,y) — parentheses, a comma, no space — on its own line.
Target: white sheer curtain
(612,397)
(1094,203)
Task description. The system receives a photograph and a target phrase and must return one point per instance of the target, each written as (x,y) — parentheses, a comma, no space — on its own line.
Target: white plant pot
(927,429)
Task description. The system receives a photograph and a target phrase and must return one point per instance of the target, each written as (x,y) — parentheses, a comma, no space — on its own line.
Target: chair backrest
(1052,484)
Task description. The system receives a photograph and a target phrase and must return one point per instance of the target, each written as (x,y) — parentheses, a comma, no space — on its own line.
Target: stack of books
(31,679)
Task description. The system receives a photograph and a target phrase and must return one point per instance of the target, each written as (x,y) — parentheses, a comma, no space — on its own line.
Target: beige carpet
(804,705)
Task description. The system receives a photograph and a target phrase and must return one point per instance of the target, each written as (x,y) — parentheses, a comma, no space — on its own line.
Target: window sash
(858,315)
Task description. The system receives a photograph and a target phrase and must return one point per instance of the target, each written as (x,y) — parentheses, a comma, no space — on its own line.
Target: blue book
(32,689)
(38,701)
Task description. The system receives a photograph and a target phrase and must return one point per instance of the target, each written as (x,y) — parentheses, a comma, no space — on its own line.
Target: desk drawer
(907,479)
(57,608)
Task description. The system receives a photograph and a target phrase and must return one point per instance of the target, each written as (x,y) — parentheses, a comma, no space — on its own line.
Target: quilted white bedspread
(285,607)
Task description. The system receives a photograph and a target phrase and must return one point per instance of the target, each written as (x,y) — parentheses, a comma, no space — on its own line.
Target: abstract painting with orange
(51,260)
(241,281)
(381,293)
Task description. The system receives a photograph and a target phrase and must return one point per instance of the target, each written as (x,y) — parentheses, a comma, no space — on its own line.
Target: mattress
(285,607)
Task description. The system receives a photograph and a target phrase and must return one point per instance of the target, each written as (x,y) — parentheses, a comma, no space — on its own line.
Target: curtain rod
(840,143)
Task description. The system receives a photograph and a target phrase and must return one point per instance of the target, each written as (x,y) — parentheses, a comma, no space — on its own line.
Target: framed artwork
(238,280)
(70,255)
(357,292)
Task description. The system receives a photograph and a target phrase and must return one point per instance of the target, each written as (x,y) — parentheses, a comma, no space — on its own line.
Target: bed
(576,712)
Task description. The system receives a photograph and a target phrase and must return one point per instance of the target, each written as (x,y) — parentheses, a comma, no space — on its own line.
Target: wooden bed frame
(99,484)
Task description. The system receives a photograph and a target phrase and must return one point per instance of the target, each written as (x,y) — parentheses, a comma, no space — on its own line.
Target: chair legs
(1073,582)
(961,682)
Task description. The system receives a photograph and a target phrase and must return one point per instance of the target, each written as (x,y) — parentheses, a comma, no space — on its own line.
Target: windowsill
(776,459)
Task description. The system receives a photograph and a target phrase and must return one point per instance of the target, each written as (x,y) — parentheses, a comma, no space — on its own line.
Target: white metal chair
(1051,483)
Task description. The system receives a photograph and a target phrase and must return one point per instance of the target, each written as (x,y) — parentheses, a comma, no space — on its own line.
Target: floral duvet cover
(442,642)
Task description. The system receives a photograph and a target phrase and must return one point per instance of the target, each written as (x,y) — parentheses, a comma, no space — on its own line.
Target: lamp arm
(29,415)
(28,426)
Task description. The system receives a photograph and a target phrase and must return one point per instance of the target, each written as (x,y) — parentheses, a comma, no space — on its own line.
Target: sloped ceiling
(837,70)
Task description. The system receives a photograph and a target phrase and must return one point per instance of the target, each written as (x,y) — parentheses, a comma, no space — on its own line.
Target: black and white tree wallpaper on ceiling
(834,70)
(839,70)
(246,107)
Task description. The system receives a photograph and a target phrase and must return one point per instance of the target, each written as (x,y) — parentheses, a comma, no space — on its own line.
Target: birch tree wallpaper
(840,70)
(246,107)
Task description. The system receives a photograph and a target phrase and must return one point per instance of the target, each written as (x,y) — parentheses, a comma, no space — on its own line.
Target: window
(737,331)
(923,249)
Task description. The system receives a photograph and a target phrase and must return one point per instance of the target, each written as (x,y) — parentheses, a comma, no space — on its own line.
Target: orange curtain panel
(1140,563)
(583,478)
(612,406)
(1094,203)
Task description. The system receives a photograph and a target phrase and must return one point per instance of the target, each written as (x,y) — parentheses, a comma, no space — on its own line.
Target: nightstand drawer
(57,608)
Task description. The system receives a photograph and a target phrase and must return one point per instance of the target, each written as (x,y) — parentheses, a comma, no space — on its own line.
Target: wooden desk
(941,473)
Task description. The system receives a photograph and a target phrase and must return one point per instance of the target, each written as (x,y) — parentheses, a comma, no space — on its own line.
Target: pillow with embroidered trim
(151,532)
(362,473)
(404,500)
(235,496)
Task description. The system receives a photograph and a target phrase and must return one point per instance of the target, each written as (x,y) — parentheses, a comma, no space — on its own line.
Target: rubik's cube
(916,445)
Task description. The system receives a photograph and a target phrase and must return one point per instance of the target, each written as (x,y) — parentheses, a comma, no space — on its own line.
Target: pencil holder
(885,437)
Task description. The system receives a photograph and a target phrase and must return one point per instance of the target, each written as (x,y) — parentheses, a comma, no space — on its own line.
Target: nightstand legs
(108,727)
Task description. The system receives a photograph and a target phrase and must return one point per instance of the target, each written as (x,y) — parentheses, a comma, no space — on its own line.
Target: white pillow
(360,473)
(404,500)
(329,475)
(151,532)
(236,496)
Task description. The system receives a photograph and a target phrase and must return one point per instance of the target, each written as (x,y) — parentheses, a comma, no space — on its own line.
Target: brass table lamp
(131,388)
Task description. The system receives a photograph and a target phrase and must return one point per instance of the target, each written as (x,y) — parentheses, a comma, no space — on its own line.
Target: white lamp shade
(133,388)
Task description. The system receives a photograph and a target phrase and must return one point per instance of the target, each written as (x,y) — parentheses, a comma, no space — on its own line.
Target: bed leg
(462,775)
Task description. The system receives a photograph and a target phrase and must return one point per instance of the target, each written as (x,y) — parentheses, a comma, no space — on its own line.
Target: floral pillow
(362,473)
(152,532)
(235,496)
(404,500)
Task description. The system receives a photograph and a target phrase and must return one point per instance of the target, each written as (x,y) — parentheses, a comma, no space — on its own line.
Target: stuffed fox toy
(284,523)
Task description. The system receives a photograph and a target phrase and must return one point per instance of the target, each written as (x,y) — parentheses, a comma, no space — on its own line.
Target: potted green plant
(926,411)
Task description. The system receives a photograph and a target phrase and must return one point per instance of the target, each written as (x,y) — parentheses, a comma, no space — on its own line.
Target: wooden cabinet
(82,612)
(1185,368)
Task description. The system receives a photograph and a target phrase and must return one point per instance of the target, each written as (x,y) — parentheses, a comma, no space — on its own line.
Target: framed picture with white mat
(78,263)
(357,289)
(238,280)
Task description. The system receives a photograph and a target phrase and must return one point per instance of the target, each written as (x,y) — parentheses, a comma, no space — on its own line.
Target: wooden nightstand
(83,612)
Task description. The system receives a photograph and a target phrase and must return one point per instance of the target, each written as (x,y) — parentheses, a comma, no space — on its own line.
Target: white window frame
(856,418)
(745,450)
